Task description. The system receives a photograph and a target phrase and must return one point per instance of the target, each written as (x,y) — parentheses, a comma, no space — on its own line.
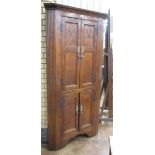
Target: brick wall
(43,68)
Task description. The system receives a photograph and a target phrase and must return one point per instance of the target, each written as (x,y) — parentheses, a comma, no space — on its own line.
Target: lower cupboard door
(87,108)
(69,115)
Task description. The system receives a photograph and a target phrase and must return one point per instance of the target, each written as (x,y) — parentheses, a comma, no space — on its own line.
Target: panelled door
(88,52)
(78,65)
(79,45)
(70,112)
(70,48)
(77,112)
(86,110)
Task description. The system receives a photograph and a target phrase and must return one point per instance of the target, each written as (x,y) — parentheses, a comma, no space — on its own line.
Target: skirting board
(44,133)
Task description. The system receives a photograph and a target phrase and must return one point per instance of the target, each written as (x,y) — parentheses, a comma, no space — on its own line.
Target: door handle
(79,56)
(81,109)
(77,109)
(82,52)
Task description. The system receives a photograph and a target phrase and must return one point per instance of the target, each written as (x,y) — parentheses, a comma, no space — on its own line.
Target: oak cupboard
(74,52)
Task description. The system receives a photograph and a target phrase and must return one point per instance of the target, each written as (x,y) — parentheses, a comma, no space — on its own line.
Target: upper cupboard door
(88,53)
(70,49)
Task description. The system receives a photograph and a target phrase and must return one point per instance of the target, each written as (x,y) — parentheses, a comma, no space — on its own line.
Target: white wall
(96,5)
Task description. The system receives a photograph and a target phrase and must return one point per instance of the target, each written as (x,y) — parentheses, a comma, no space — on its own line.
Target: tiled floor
(97,145)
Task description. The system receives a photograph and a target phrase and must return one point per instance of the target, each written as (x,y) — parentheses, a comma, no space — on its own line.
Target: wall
(96,5)
(43,69)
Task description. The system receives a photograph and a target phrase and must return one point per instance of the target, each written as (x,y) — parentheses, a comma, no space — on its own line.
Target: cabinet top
(55,6)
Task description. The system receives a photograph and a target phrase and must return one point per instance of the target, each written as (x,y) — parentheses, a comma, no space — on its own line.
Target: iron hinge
(61,27)
(94,78)
(62,82)
(61,102)
(62,130)
(94,96)
(97,30)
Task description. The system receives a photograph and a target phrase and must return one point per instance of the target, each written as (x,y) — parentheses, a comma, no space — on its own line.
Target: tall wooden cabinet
(74,52)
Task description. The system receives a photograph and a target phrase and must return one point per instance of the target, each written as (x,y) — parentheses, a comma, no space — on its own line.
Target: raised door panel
(70,46)
(86,110)
(70,104)
(88,52)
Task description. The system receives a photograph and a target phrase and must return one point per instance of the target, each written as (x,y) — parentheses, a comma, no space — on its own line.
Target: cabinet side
(51,93)
(98,72)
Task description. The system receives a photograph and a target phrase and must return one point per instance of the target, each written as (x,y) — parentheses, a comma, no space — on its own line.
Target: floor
(97,145)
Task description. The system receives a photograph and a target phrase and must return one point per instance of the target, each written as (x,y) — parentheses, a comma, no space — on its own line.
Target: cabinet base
(64,143)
